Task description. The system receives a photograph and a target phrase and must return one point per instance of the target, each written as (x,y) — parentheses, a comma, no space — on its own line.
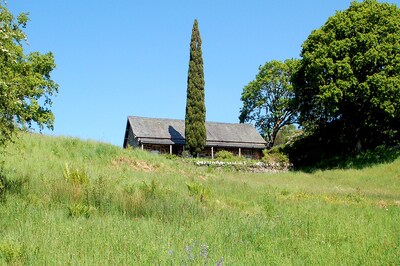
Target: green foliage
(358,196)
(275,156)
(80,210)
(12,185)
(311,150)
(198,191)
(26,87)
(150,190)
(308,154)
(195,129)
(186,154)
(75,175)
(224,155)
(266,100)
(348,84)
(171,156)
(286,134)
(12,253)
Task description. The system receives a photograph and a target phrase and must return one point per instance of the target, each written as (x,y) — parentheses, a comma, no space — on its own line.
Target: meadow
(65,201)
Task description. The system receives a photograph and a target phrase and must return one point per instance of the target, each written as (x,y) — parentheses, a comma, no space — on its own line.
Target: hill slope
(82,202)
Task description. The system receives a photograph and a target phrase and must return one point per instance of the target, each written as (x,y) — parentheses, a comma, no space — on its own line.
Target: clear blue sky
(128,57)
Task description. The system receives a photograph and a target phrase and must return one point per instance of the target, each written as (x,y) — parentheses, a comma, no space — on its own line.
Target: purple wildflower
(188,250)
(204,251)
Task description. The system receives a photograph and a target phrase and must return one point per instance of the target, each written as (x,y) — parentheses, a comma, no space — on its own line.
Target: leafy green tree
(195,129)
(348,84)
(266,100)
(25,83)
(286,134)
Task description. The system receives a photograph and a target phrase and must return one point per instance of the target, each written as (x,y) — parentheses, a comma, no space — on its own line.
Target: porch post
(212,152)
(170,149)
(240,152)
(142,146)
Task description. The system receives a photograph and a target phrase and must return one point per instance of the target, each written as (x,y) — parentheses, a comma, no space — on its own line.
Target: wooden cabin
(168,136)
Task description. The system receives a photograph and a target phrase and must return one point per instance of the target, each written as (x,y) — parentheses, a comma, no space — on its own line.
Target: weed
(196,253)
(75,176)
(12,253)
(171,156)
(285,192)
(198,191)
(150,190)
(357,196)
(99,194)
(269,206)
(80,210)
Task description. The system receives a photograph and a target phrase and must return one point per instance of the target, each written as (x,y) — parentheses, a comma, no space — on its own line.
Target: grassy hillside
(67,201)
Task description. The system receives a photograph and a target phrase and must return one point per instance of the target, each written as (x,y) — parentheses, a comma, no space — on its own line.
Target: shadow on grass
(11,185)
(356,161)
(2,186)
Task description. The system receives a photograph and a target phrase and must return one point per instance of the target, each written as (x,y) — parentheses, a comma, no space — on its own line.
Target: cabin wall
(132,140)
(156,148)
(164,148)
(255,154)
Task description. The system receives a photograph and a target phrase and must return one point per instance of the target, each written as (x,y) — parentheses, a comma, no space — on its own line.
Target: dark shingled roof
(172,131)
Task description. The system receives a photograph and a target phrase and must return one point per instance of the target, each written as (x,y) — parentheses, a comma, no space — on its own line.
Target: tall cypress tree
(195,128)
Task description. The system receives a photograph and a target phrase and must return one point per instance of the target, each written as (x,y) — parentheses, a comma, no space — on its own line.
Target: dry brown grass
(134,164)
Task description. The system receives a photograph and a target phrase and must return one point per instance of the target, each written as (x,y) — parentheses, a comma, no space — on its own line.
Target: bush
(224,155)
(275,156)
(186,154)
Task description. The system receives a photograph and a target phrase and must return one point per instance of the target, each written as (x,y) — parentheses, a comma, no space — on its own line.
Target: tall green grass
(68,201)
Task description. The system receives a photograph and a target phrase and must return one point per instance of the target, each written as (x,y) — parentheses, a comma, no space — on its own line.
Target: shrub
(186,154)
(224,155)
(275,156)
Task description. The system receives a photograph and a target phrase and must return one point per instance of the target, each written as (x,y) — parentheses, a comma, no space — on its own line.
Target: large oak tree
(348,82)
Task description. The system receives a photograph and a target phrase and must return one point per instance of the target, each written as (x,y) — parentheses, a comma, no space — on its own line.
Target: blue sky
(128,57)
